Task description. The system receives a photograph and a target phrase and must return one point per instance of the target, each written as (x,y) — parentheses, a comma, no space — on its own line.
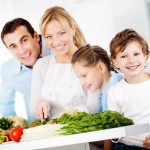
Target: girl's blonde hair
(60,15)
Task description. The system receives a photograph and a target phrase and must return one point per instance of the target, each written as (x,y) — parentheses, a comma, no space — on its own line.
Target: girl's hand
(146,142)
(43,109)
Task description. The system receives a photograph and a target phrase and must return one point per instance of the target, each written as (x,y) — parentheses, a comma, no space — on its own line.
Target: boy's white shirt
(132,101)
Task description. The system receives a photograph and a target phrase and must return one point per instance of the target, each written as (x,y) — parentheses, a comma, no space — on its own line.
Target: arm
(93,103)
(7,94)
(146,142)
(108,145)
(37,104)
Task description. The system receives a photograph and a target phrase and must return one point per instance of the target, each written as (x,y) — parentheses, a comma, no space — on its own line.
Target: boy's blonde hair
(60,15)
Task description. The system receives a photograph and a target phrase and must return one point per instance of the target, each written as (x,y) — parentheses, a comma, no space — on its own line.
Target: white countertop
(78,138)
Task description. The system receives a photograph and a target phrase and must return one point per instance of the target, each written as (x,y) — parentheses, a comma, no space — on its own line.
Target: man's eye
(24,40)
(12,47)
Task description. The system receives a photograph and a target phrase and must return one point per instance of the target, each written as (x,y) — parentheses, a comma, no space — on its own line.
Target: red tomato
(15,134)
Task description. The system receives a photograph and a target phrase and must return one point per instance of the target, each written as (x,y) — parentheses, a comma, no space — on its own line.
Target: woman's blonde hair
(60,15)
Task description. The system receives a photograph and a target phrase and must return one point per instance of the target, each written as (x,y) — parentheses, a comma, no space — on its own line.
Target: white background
(99,20)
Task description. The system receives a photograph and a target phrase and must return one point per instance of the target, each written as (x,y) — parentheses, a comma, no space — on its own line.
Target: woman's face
(59,38)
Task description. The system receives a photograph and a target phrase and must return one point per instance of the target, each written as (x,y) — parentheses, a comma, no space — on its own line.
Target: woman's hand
(43,109)
(146,142)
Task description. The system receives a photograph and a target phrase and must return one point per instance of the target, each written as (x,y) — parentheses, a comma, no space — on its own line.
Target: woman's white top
(60,87)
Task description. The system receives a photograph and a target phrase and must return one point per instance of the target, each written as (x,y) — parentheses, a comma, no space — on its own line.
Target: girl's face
(131,61)
(59,38)
(90,77)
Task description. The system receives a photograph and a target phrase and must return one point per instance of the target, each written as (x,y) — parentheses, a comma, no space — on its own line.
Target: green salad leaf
(80,122)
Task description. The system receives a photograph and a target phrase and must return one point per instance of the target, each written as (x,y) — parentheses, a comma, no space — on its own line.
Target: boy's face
(90,77)
(131,62)
(23,46)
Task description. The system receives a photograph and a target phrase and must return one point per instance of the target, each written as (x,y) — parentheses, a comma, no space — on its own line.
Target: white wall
(99,20)
(131,14)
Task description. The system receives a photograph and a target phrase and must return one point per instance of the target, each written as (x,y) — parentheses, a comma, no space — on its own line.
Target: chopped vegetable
(3,137)
(5,123)
(50,122)
(18,122)
(38,123)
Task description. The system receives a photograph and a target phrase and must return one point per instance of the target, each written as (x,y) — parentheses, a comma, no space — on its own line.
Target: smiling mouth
(133,67)
(26,57)
(88,86)
(60,48)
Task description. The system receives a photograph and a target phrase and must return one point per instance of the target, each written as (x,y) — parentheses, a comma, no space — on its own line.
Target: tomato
(15,134)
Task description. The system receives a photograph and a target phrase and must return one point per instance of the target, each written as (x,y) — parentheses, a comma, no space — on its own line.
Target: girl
(55,87)
(93,67)
(129,53)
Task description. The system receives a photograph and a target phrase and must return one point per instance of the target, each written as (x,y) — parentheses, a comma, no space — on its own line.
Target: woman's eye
(62,33)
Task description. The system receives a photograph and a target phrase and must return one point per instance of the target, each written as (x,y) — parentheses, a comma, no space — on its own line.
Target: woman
(55,87)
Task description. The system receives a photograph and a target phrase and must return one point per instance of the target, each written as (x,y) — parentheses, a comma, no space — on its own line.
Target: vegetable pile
(11,128)
(78,122)
(75,123)
(82,122)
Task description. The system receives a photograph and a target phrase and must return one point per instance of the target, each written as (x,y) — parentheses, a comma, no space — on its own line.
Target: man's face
(23,46)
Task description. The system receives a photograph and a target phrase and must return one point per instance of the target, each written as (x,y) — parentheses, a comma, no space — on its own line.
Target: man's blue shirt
(16,77)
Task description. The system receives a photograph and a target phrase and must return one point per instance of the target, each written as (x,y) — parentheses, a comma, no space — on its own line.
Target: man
(26,46)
